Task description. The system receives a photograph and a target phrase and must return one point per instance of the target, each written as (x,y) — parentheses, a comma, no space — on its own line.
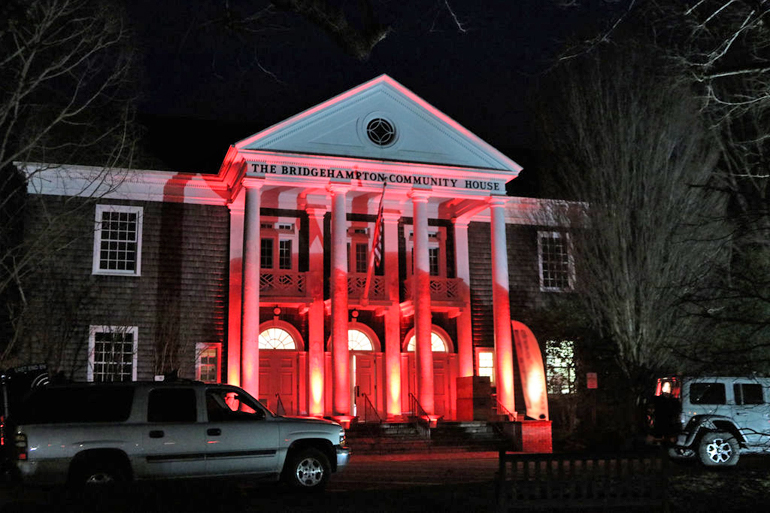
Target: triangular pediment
(380,120)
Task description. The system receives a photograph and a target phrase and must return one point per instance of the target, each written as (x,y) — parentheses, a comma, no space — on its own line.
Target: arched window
(276,338)
(359,341)
(437,343)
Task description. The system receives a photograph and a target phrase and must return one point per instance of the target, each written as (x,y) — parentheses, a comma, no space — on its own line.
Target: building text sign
(377,177)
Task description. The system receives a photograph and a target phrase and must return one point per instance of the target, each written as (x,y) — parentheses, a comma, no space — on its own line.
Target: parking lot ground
(451,482)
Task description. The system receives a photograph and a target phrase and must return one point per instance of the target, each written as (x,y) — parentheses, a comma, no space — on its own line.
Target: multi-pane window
(361,263)
(560,366)
(284,254)
(359,341)
(437,265)
(112,353)
(118,240)
(437,344)
(433,261)
(486,364)
(555,261)
(277,246)
(266,254)
(208,364)
(276,338)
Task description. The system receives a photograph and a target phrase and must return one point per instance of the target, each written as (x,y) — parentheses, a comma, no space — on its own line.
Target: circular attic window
(381,132)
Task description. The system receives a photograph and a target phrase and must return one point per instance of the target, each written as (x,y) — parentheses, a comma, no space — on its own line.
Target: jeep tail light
(21,446)
(343,438)
(2,431)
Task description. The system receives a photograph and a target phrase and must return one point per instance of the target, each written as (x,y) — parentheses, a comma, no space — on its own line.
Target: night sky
(205,87)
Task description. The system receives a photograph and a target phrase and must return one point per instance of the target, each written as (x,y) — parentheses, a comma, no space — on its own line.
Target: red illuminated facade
(264,267)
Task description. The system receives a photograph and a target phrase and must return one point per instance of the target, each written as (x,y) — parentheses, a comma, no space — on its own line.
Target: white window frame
(436,239)
(200,347)
(280,228)
(570,261)
(134,330)
(485,351)
(100,209)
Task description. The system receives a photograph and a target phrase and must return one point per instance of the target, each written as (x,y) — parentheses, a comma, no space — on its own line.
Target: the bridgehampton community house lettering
(378,177)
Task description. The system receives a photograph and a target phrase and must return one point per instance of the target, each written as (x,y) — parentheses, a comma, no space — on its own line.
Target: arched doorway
(363,346)
(280,345)
(443,373)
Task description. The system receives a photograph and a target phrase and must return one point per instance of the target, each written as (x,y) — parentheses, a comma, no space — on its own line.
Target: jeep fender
(705,423)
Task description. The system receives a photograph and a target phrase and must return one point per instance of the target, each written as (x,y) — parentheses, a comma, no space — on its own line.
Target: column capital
(252,183)
(337,187)
(461,222)
(420,195)
(391,216)
(315,211)
(498,201)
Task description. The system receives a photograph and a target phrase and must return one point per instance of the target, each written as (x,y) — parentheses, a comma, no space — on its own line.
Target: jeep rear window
(748,393)
(77,404)
(707,393)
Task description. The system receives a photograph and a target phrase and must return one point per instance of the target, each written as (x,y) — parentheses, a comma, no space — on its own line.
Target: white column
(235,292)
(316,311)
(339,300)
(392,316)
(421,300)
(502,306)
(250,306)
(464,324)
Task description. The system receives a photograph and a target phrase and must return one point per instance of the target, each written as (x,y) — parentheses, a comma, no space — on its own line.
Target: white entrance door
(364,385)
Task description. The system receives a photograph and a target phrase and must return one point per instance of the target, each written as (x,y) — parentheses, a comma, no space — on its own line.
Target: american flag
(377,237)
(375,255)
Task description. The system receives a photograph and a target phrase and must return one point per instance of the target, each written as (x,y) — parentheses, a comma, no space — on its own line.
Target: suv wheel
(718,449)
(98,474)
(307,470)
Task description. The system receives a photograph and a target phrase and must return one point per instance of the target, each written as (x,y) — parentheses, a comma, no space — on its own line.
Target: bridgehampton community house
(359,258)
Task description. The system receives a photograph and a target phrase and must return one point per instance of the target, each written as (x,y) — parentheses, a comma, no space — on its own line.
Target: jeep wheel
(307,470)
(718,449)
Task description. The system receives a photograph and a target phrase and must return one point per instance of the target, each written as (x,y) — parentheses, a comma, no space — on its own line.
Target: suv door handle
(156,434)
(214,431)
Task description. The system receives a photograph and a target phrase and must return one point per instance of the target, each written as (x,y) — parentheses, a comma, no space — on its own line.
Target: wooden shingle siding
(178,301)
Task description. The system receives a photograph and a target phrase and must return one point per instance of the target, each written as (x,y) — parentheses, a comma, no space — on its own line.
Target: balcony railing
(441,289)
(282,283)
(357,282)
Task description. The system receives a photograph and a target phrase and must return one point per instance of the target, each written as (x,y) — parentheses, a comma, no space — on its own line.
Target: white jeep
(715,419)
(86,434)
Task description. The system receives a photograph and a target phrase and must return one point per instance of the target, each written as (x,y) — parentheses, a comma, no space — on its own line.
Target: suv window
(748,393)
(172,405)
(76,404)
(707,393)
(225,405)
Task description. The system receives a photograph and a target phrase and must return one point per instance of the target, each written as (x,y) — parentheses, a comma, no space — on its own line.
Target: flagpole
(376,236)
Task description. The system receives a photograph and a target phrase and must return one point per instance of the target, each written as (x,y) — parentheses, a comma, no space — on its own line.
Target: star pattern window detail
(359,341)
(276,338)
(437,344)
(381,132)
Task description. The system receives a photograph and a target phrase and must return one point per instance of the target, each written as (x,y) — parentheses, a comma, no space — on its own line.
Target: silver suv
(715,419)
(101,433)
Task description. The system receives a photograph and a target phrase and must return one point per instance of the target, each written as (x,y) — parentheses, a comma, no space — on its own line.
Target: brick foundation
(536,436)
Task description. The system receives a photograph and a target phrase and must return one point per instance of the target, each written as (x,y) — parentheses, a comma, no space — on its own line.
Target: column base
(343,420)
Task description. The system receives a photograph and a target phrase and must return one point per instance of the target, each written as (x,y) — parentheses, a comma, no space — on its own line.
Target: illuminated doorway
(362,344)
(279,367)
(443,376)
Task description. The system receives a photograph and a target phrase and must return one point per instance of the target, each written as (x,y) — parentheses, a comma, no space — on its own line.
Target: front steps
(406,437)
